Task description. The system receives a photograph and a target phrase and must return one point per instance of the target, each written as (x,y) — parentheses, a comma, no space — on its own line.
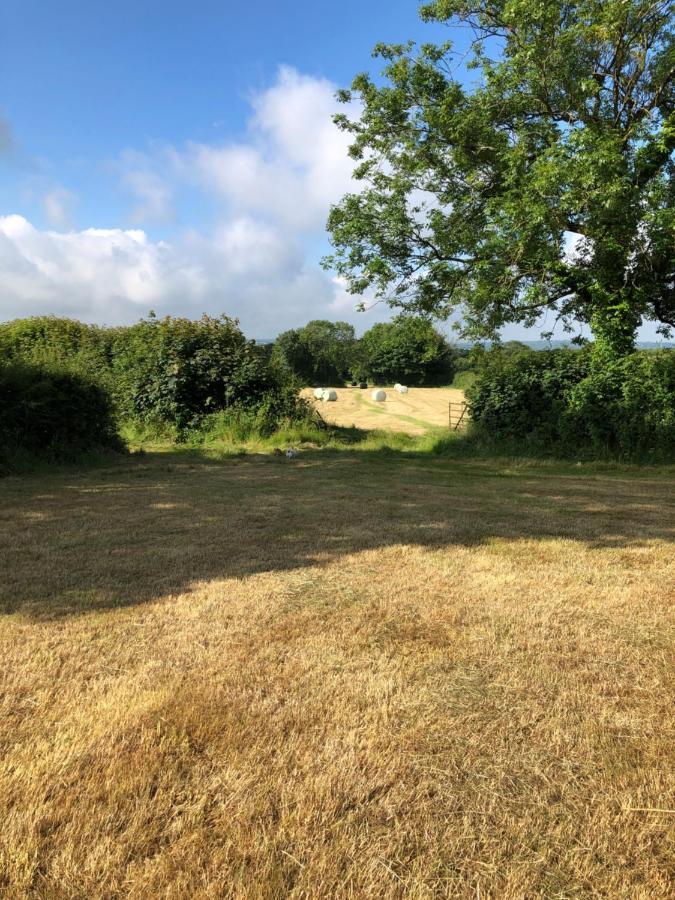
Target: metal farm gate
(458,414)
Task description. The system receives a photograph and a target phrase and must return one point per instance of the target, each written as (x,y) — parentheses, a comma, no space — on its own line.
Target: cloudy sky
(180,156)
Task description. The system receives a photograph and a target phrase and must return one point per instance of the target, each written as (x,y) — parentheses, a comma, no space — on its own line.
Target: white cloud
(152,193)
(58,205)
(98,274)
(245,269)
(258,262)
(294,163)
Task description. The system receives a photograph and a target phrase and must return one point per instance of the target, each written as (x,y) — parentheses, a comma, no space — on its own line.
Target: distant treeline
(408,350)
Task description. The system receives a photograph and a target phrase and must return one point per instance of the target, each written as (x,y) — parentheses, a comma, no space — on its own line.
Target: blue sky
(83,82)
(180,156)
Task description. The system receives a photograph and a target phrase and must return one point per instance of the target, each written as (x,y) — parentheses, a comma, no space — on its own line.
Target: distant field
(346,675)
(414,412)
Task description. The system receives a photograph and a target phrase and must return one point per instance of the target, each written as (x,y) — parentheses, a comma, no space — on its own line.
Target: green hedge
(177,371)
(170,374)
(51,416)
(63,345)
(557,402)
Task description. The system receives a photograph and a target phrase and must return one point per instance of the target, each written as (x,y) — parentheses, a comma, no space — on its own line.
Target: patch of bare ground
(336,677)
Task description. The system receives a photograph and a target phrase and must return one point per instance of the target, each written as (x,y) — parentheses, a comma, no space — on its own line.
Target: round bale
(402,389)
(330,395)
(379,396)
(318,393)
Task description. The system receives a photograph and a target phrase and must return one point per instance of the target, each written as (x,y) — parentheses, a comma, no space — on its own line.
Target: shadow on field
(153,526)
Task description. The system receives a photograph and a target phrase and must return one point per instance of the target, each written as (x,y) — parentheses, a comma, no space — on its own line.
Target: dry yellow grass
(341,676)
(413,413)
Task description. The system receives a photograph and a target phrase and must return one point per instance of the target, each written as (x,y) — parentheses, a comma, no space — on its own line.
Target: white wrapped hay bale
(330,395)
(379,396)
(402,389)
(318,393)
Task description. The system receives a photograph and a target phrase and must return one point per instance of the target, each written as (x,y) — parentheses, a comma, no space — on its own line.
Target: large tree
(319,353)
(409,350)
(547,184)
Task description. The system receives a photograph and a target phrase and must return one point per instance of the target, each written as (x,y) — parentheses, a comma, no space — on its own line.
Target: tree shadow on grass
(155,525)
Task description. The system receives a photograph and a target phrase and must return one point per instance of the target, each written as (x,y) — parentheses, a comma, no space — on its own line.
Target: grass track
(347,675)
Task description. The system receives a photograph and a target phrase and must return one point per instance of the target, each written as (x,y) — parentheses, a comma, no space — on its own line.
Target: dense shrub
(61,345)
(409,350)
(626,409)
(53,416)
(558,402)
(320,353)
(177,371)
(464,380)
(524,396)
(166,374)
(280,408)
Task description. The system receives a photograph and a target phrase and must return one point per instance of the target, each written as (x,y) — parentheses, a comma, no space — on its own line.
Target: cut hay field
(413,413)
(346,675)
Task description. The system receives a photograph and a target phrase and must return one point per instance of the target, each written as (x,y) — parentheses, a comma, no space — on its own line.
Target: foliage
(559,402)
(523,396)
(320,353)
(51,416)
(59,345)
(627,409)
(176,370)
(278,409)
(165,375)
(470,194)
(409,350)
(464,380)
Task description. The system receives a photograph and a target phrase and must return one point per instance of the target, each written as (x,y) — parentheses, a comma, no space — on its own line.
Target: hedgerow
(51,416)
(170,374)
(560,402)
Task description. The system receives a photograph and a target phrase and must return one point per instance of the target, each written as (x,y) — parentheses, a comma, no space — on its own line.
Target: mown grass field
(347,675)
(412,413)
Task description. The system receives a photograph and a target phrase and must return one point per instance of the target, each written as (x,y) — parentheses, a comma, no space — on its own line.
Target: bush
(627,409)
(557,402)
(280,407)
(62,345)
(321,353)
(176,371)
(165,376)
(51,416)
(464,380)
(523,397)
(409,350)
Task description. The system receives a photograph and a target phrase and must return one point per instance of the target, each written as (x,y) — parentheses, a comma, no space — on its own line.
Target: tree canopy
(547,185)
(319,353)
(409,350)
